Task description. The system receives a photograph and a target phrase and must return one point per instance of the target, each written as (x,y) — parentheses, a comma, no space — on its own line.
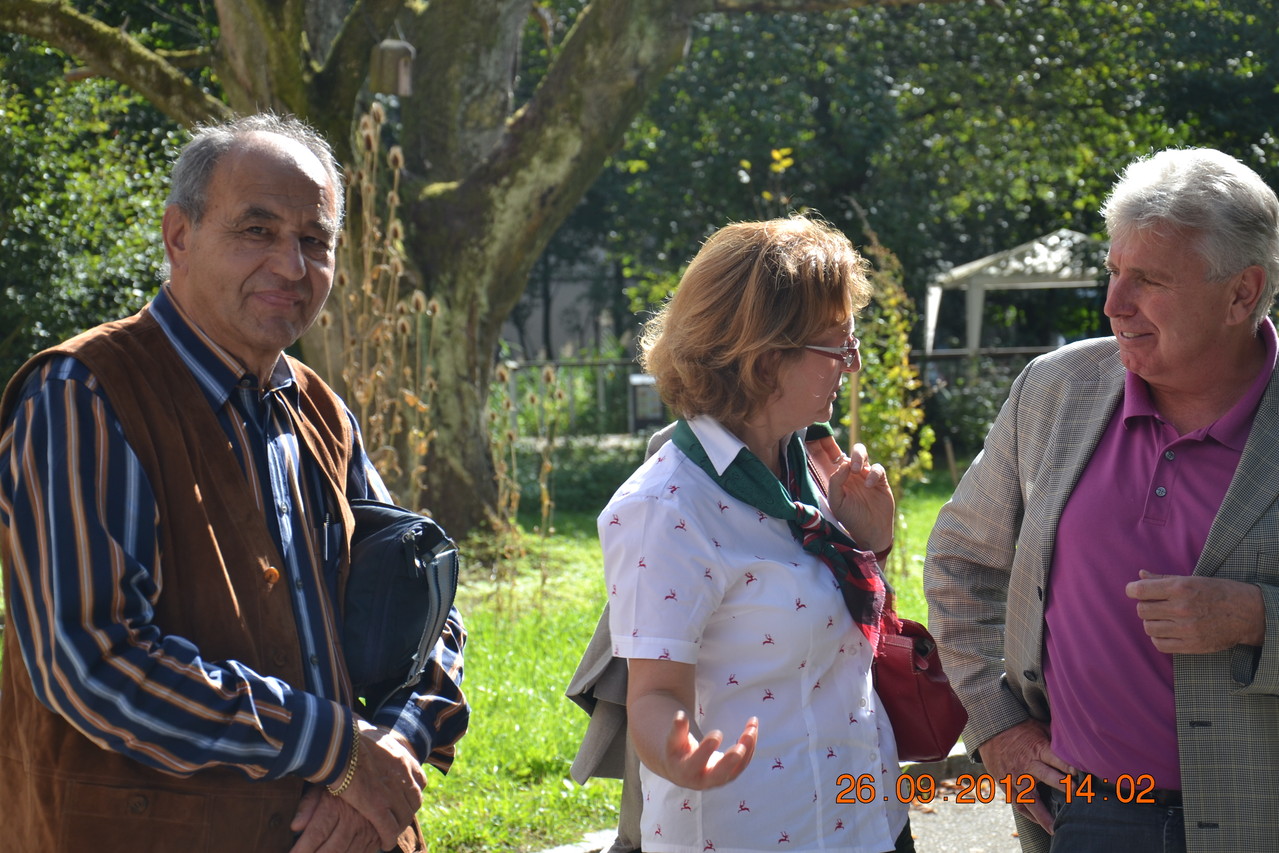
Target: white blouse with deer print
(696,576)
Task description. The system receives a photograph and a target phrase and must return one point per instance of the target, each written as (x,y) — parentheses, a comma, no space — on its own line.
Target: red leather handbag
(926,714)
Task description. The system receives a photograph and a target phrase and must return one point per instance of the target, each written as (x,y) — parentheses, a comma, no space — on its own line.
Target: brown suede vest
(58,790)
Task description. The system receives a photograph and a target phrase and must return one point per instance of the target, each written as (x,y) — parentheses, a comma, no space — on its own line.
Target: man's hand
(387,786)
(1195,616)
(1025,748)
(329,825)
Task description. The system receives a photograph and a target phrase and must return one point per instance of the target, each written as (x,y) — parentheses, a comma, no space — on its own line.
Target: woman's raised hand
(863,501)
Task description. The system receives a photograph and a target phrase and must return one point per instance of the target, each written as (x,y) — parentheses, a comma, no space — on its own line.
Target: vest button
(271,574)
(138,803)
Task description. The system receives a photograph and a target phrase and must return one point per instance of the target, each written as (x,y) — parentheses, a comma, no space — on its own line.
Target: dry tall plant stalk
(505,545)
(379,341)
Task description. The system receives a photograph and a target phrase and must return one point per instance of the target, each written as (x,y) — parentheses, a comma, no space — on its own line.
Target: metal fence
(612,395)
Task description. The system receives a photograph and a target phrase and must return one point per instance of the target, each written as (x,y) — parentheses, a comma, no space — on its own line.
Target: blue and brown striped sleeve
(86,573)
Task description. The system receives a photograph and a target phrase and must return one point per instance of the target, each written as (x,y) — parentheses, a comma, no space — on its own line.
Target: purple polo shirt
(1145,501)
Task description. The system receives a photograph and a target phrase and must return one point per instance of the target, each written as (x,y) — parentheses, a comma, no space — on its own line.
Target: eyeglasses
(850,353)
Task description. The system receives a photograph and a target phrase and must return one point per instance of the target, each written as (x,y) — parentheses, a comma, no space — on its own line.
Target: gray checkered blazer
(986,572)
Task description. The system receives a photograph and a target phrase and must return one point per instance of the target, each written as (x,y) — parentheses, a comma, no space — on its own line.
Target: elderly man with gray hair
(175,528)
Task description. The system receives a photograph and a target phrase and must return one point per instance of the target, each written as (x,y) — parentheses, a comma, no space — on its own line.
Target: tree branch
(557,143)
(468,54)
(813,5)
(200,57)
(114,53)
(366,24)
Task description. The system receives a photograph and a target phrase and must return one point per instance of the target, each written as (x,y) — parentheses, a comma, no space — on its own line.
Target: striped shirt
(88,569)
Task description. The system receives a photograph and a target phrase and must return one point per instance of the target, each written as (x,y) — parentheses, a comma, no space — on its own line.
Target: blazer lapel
(1253,489)
(1091,404)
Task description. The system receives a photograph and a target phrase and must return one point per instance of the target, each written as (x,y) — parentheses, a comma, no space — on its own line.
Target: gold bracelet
(350,765)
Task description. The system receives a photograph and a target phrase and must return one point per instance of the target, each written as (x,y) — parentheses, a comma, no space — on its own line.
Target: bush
(585,470)
(583,396)
(963,407)
(82,186)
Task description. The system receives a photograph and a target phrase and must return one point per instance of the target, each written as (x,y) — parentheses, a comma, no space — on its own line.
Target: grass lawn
(919,508)
(509,789)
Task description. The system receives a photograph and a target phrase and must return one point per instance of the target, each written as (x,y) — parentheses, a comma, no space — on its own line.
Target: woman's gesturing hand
(700,765)
(659,694)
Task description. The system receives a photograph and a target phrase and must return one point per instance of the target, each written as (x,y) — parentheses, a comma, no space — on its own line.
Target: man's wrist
(353,761)
(1257,621)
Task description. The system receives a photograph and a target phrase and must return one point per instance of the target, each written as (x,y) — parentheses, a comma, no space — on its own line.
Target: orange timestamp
(984,788)
(1125,789)
(967,788)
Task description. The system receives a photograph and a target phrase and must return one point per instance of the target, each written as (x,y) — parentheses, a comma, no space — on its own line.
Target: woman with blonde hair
(745,585)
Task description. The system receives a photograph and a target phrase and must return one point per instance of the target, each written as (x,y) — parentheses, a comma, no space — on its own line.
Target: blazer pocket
(1266,569)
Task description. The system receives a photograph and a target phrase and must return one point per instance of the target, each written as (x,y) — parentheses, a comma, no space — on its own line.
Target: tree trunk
(476,239)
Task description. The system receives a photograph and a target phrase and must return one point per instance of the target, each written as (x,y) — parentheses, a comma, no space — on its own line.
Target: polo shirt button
(283,508)
(1169,455)
(1161,491)
(271,574)
(315,660)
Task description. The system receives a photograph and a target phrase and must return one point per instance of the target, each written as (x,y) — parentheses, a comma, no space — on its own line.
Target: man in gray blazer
(1104,585)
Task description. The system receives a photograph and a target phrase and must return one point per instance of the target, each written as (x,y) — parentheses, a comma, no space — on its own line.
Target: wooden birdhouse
(391,70)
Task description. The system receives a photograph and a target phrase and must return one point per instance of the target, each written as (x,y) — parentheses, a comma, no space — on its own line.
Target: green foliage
(917,504)
(890,412)
(82,188)
(961,130)
(732,135)
(581,396)
(963,407)
(587,469)
(559,443)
